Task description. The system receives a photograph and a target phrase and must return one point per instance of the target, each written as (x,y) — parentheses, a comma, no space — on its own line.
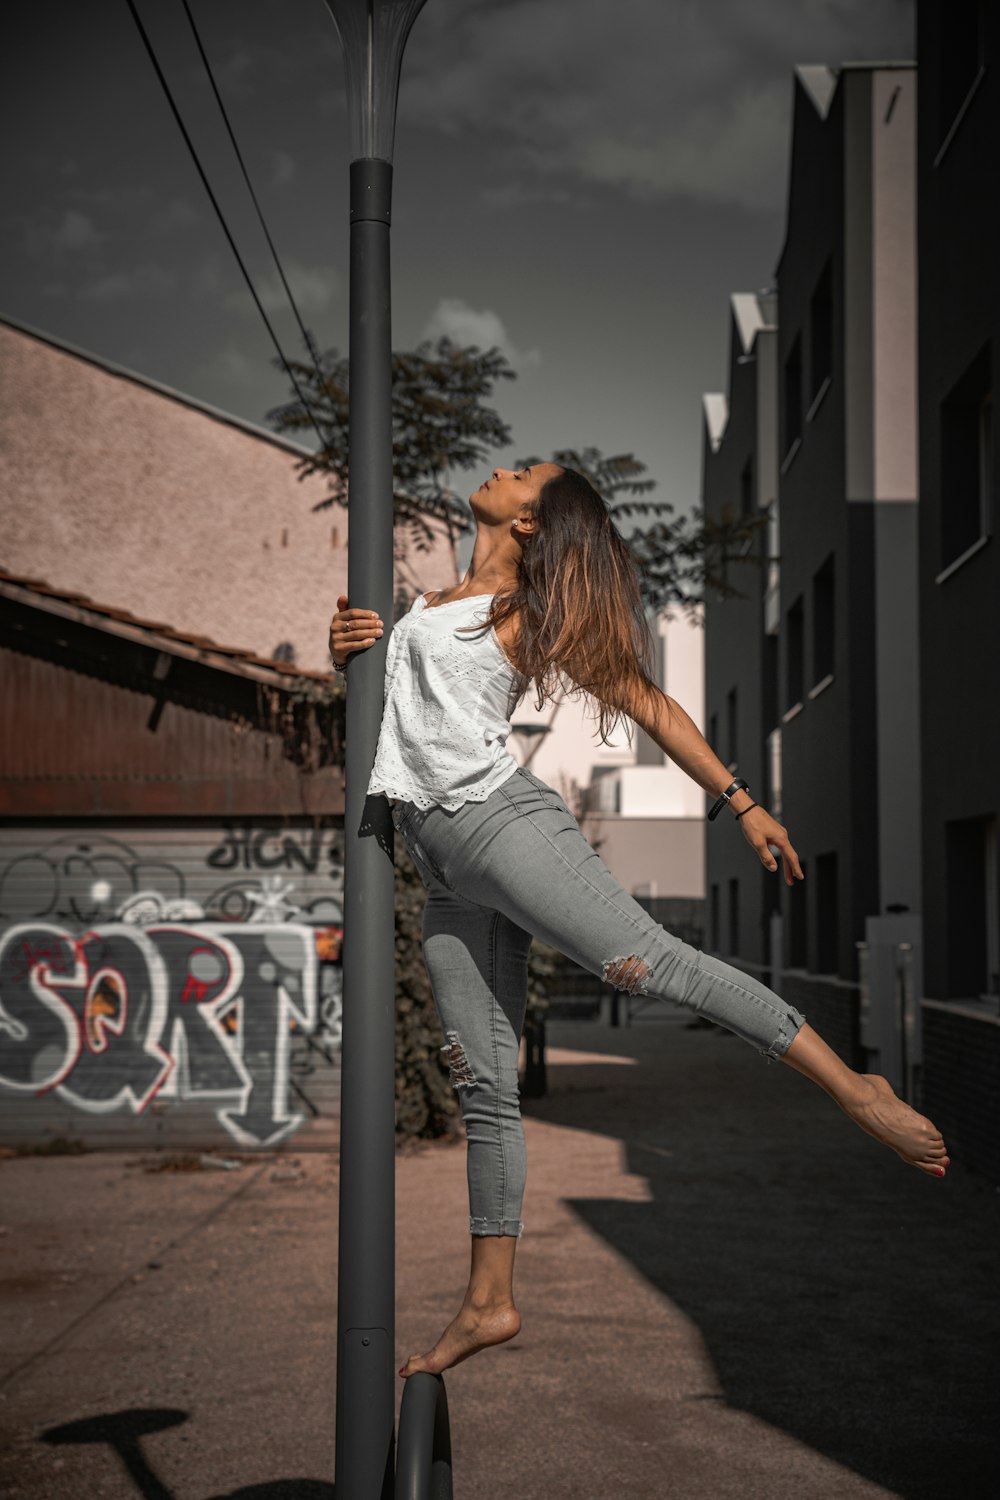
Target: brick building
(171,805)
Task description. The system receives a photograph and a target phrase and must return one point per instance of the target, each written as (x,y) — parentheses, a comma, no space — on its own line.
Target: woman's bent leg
(477,961)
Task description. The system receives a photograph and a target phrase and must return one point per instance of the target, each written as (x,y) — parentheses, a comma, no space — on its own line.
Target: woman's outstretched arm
(678,736)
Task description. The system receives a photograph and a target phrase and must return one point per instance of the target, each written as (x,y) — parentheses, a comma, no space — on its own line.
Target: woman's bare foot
(878,1110)
(475,1328)
(870,1101)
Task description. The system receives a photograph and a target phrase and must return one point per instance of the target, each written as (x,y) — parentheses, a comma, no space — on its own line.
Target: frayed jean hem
(479,1226)
(788,1031)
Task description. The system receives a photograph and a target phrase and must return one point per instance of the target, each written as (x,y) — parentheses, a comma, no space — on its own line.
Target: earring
(515,523)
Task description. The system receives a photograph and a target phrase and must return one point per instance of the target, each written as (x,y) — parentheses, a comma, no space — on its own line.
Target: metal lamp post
(373,34)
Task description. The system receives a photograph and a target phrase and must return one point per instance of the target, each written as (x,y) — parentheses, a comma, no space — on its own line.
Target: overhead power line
(307,338)
(221,217)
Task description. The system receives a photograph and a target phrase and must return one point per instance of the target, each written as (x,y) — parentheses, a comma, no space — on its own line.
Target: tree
(440,422)
(679,560)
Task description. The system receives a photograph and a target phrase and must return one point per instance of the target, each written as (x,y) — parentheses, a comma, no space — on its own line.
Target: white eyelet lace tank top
(445,715)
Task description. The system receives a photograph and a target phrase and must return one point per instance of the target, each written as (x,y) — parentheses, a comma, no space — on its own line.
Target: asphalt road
(727,1291)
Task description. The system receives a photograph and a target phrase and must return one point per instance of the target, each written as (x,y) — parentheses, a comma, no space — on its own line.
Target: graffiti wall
(171,985)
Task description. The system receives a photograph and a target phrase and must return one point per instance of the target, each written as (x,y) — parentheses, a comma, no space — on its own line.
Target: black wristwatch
(727,796)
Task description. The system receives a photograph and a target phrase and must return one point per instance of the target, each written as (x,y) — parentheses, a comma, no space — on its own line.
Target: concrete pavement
(727,1291)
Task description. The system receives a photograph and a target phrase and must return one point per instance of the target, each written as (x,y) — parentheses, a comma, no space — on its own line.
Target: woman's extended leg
(522,852)
(477,962)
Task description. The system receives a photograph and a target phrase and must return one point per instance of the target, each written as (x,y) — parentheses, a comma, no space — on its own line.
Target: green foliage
(543,963)
(426,1104)
(308,714)
(682,560)
(440,422)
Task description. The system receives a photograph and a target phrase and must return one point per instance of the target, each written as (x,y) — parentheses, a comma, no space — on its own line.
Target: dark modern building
(740,474)
(819,674)
(848,662)
(854,685)
(959,570)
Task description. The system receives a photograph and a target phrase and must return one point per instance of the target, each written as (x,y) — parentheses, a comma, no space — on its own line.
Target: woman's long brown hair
(582,627)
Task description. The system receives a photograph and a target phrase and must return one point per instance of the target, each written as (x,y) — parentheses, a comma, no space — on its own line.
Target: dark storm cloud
(583,182)
(651,98)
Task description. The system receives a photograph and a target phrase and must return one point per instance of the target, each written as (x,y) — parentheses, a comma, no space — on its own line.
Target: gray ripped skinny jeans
(497,873)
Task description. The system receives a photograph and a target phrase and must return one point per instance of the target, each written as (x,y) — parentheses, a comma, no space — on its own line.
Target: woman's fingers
(356,617)
(359,632)
(780,844)
(353,629)
(356,622)
(769,840)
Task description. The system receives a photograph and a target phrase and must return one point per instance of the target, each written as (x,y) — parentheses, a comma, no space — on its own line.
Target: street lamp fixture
(373,34)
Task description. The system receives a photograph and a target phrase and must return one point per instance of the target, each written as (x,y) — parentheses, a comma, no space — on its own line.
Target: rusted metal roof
(156,633)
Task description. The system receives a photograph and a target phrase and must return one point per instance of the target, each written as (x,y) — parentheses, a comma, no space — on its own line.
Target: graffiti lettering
(125,1013)
(267,849)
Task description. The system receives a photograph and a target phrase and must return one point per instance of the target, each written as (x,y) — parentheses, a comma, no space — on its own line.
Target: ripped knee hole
(460,1074)
(630,974)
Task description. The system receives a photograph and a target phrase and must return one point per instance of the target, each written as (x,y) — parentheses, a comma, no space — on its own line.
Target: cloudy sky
(583,182)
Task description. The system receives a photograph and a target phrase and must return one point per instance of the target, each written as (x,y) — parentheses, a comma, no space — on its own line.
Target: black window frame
(967,459)
(826,913)
(959,58)
(791,401)
(821,331)
(795,665)
(823,620)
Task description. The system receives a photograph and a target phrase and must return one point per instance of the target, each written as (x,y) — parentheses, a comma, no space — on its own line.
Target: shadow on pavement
(843,1297)
(123,1432)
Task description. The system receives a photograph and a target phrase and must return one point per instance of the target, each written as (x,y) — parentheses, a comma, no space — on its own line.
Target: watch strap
(734,786)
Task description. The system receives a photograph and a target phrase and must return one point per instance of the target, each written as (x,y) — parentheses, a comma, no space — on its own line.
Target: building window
(734,917)
(796,896)
(772,588)
(770,711)
(746,490)
(961,44)
(966,459)
(821,332)
(972,912)
(825,881)
(774,772)
(795,663)
(747,506)
(732,746)
(793,397)
(713,917)
(822,621)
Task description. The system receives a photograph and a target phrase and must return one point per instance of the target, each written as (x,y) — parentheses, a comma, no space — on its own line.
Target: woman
(552,598)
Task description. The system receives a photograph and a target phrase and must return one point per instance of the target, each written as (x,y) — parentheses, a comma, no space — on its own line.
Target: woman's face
(505,495)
